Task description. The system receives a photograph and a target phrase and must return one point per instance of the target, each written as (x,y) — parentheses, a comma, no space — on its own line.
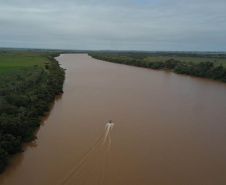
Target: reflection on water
(47,114)
(32,145)
(14,165)
(169,130)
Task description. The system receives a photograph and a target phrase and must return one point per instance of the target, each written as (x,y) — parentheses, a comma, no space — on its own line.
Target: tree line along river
(168,129)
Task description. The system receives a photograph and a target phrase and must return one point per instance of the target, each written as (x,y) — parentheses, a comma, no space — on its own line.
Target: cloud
(114,24)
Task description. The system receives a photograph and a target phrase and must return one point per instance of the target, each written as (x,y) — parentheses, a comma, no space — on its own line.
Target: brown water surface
(169,130)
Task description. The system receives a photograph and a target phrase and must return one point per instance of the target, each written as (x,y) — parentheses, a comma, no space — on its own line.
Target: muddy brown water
(168,129)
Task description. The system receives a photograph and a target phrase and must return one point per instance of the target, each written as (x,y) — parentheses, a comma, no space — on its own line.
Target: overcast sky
(181,25)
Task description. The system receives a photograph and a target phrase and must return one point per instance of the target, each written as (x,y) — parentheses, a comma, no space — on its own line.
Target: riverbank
(210,69)
(167,125)
(25,96)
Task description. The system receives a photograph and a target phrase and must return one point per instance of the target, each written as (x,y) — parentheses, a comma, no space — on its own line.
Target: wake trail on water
(108,129)
(82,166)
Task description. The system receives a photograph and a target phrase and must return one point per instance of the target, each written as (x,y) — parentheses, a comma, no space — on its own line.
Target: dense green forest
(30,80)
(204,65)
(26,94)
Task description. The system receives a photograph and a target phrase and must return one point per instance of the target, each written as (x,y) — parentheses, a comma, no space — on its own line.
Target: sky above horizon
(148,25)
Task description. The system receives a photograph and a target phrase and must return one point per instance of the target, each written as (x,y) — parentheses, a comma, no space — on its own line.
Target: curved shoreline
(205,70)
(27,107)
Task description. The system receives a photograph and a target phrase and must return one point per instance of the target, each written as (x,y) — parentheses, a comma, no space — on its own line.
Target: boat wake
(97,153)
(108,129)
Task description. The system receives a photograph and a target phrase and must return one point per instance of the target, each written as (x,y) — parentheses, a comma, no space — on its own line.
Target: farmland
(26,93)
(11,59)
(216,61)
(205,65)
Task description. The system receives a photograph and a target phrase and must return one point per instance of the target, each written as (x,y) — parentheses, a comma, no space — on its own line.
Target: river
(168,129)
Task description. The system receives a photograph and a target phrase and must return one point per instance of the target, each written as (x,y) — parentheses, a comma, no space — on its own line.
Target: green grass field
(216,61)
(8,63)
(15,59)
(216,58)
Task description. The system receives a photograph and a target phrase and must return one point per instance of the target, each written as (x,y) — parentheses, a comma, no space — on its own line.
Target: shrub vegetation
(209,69)
(25,95)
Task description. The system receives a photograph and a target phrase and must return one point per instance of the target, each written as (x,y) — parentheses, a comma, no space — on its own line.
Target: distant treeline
(25,96)
(202,69)
(142,54)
